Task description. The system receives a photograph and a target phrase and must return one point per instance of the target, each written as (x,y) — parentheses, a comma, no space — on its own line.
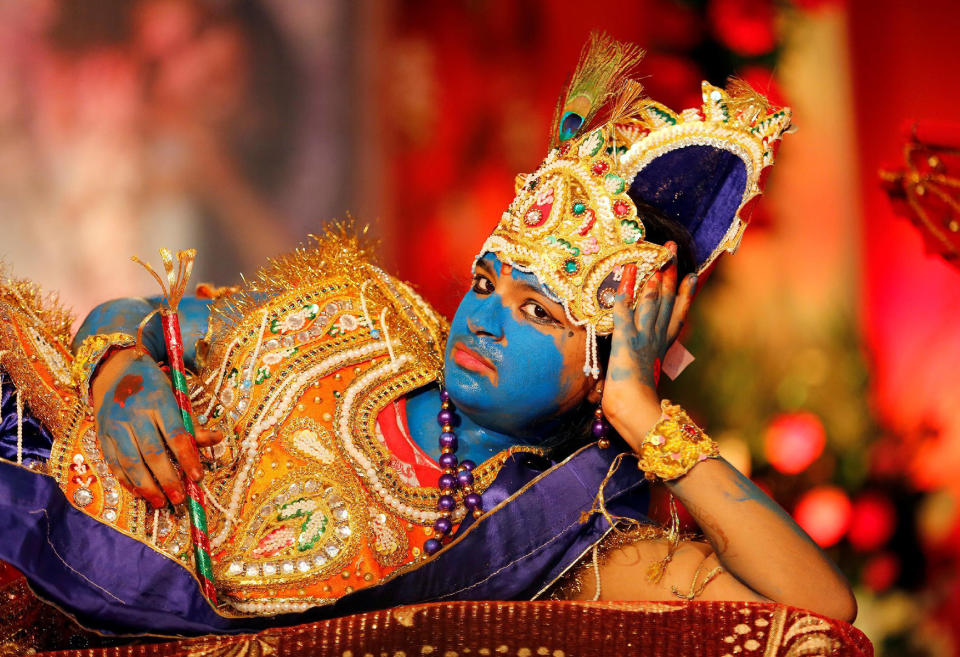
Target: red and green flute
(196,504)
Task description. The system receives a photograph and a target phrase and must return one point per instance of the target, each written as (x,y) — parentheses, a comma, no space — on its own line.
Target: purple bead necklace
(456,476)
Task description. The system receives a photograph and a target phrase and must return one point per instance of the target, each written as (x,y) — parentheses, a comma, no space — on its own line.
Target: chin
(468,391)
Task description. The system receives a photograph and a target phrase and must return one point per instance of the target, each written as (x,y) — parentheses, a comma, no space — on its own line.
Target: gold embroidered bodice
(305,502)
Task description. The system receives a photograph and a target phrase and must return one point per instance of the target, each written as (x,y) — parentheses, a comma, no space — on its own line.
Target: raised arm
(137,417)
(125,315)
(765,554)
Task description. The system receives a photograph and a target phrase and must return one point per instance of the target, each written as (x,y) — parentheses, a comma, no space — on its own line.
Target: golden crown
(573,222)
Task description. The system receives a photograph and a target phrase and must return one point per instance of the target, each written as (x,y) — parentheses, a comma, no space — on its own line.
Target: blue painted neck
(477,443)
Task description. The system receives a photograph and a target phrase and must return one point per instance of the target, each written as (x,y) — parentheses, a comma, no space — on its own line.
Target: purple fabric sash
(37,441)
(115,584)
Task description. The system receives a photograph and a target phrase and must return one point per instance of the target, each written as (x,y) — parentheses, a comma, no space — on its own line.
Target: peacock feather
(600,87)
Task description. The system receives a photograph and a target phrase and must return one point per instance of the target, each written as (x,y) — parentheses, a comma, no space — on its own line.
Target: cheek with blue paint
(537,372)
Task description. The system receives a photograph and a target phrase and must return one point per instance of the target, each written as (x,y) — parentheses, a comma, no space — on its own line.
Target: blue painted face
(513,360)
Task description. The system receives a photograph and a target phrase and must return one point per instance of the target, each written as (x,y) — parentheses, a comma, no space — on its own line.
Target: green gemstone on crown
(662,115)
(592,144)
(613,183)
(579,208)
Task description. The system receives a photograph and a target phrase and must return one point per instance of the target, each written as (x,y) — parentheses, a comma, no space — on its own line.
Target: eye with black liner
(539,314)
(482,285)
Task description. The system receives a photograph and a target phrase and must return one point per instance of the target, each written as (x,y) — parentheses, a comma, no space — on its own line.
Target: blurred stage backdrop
(828,350)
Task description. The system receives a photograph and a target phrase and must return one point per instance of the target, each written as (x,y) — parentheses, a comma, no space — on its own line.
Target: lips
(471,360)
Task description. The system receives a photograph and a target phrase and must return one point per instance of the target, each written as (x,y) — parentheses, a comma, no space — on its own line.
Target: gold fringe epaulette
(35,351)
(45,309)
(343,251)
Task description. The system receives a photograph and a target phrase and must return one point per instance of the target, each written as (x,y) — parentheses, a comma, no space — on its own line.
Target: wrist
(111,365)
(94,352)
(697,477)
(632,415)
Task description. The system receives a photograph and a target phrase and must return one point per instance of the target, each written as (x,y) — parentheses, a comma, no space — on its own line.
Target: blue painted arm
(125,315)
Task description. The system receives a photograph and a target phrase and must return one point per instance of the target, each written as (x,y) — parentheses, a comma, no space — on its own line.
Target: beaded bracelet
(674,445)
(92,352)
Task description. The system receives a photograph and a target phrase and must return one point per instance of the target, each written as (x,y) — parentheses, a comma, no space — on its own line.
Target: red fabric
(407,452)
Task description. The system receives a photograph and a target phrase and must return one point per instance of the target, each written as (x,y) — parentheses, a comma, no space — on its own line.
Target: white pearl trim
(275,409)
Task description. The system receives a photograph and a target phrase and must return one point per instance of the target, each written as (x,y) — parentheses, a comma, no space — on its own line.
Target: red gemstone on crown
(620,208)
(600,168)
(537,215)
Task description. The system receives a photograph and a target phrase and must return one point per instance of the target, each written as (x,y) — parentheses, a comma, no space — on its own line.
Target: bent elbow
(848,607)
(842,605)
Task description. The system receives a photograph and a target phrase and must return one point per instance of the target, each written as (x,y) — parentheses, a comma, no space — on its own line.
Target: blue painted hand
(640,340)
(138,422)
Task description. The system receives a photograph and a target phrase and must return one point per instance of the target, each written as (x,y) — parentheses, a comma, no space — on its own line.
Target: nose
(487,318)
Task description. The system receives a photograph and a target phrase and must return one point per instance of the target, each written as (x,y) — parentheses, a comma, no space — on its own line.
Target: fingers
(153,451)
(645,315)
(623,328)
(668,292)
(628,281)
(184,447)
(109,450)
(208,437)
(131,463)
(679,315)
(622,318)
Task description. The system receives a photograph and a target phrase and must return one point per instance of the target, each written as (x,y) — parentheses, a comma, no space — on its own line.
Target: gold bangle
(93,350)
(674,445)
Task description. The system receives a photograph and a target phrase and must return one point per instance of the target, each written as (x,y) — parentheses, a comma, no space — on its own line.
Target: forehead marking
(519,273)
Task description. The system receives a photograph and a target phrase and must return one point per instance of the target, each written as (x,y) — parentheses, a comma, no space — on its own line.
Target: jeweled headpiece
(574,223)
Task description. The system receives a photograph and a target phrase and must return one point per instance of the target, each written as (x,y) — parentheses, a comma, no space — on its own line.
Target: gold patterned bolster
(559,629)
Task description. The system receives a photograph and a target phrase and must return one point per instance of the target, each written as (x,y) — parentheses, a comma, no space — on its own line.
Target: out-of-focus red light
(793,441)
(881,571)
(745,26)
(872,522)
(824,513)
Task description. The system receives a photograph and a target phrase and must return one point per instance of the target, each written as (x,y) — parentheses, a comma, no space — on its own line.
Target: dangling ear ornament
(600,429)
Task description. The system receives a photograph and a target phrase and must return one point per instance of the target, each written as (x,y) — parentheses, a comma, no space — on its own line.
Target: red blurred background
(828,360)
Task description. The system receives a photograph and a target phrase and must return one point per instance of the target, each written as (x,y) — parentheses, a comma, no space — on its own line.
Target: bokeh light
(824,513)
(872,522)
(881,571)
(793,441)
